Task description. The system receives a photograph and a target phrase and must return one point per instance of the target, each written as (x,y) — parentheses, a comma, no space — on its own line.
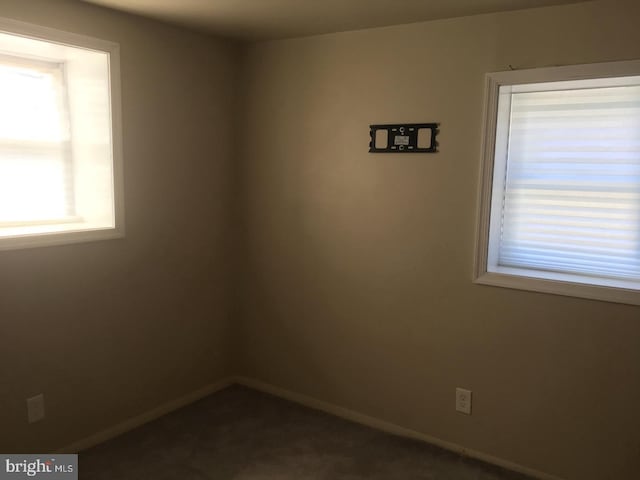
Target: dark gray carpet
(242,434)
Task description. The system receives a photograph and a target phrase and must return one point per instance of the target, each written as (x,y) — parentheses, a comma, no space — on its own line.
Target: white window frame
(67,233)
(517,278)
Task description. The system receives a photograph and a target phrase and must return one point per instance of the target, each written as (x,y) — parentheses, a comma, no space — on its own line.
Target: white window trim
(66,233)
(558,284)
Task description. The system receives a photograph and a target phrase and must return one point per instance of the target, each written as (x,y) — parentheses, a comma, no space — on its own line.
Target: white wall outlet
(35,408)
(463,401)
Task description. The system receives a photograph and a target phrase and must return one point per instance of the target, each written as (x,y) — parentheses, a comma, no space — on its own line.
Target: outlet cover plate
(463,401)
(35,408)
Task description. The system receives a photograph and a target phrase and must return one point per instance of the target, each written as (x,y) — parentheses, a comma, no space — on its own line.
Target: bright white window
(60,152)
(560,192)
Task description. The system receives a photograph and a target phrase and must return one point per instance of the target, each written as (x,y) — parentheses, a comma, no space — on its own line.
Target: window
(560,182)
(60,147)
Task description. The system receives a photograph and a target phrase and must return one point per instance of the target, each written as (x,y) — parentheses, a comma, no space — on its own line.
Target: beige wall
(110,329)
(358,267)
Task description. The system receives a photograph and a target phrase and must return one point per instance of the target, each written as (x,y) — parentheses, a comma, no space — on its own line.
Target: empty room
(338,239)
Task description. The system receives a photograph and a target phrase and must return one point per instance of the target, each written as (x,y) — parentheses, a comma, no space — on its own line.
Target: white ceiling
(270,19)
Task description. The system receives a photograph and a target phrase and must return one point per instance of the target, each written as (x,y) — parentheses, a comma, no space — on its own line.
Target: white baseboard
(388,427)
(143,418)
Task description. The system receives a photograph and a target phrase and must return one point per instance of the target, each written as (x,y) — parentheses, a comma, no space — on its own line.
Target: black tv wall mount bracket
(403,138)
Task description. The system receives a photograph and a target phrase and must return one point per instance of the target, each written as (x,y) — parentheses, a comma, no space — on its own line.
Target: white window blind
(570,193)
(35,169)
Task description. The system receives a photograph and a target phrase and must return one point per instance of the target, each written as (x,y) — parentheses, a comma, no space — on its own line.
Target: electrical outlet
(35,408)
(463,401)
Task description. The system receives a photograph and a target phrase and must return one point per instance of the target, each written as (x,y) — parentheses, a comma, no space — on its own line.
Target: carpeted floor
(242,434)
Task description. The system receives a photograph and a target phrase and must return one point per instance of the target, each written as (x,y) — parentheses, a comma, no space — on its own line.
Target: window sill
(623,292)
(60,235)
